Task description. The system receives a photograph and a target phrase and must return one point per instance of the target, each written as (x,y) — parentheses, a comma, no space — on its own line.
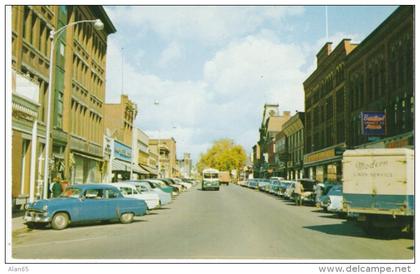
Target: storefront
(325,164)
(122,165)
(86,169)
(27,141)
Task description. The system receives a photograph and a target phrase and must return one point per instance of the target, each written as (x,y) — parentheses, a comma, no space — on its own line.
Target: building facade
(142,153)
(167,163)
(78,93)
(119,123)
(294,131)
(281,155)
(325,115)
(271,125)
(380,76)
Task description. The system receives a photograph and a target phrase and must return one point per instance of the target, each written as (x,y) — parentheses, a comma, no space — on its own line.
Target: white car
(180,182)
(146,186)
(130,191)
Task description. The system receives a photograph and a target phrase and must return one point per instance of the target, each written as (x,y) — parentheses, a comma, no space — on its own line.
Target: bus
(210,179)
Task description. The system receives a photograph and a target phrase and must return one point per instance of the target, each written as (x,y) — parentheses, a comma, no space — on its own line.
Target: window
(340,101)
(329,108)
(94,194)
(33,34)
(111,194)
(26,23)
(126,191)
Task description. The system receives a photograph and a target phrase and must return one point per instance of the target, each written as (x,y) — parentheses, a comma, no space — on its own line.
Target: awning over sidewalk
(151,170)
(118,165)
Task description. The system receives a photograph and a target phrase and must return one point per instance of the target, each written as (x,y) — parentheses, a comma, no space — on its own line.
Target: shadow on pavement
(162,208)
(332,216)
(348,228)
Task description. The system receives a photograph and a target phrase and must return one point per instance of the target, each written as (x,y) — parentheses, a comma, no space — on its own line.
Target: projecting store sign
(122,151)
(373,123)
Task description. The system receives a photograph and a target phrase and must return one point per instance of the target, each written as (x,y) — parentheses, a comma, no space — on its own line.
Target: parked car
(289,192)
(181,182)
(252,183)
(333,200)
(283,187)
(128,190)
(84,203)
(308,195)
(274,185)
(165,187)
(322,189)
(146,186)
(172,183)
(263,184)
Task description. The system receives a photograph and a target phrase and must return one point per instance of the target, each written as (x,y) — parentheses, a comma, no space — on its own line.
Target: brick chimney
(324,52)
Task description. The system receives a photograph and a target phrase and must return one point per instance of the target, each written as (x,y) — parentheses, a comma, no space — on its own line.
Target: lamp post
(156,103)
(98,25)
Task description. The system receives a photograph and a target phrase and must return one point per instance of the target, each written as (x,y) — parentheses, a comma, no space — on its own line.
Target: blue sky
(213,68)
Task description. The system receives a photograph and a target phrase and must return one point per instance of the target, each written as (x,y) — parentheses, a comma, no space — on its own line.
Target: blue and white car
(333,200)
(84,203)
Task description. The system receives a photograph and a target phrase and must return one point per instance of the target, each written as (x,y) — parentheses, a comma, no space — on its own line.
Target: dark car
(84,203)
(308,195)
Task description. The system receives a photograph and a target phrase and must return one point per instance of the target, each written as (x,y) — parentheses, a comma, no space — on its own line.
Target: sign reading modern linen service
(373,123)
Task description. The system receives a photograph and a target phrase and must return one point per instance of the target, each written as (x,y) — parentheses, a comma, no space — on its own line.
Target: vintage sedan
(130,191)
(84,203)
(145,186)
(333,200)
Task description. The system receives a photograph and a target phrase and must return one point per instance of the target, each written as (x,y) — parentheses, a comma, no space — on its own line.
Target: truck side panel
(380,182)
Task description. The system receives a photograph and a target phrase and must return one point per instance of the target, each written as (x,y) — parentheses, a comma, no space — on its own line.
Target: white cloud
(170,54)
(258,67)
(209,24)
(227,102)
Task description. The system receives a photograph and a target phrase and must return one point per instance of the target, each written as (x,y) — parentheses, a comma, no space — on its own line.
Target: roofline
(109,26)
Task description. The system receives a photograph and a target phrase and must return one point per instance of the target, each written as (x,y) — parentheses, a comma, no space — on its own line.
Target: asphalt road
(233,223)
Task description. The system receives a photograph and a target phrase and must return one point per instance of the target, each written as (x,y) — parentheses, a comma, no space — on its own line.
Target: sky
(199,74)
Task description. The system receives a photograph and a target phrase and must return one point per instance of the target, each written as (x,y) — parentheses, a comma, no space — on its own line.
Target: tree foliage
(224,155)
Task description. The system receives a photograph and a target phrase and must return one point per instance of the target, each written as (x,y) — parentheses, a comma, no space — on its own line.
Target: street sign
(373,123)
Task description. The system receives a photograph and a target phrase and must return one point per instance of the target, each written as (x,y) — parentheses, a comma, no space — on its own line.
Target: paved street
(234,223)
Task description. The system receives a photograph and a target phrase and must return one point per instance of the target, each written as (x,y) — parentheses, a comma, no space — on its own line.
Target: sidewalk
(17,222)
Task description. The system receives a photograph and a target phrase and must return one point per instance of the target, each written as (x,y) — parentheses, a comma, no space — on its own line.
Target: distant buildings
(185,166)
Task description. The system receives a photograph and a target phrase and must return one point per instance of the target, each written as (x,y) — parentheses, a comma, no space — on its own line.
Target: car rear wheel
(127,218)
(60,221)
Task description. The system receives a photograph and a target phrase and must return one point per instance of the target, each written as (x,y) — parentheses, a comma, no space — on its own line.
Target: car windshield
(71,192)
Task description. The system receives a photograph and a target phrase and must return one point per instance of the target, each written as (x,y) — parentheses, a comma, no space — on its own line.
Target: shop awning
(151,170)
(118,165)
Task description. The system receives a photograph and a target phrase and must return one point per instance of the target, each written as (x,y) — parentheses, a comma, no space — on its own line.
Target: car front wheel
(127,218)
(60,221)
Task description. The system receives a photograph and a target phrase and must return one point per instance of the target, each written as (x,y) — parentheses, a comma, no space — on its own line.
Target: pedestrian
(319,191)
(56,188)
(298,193)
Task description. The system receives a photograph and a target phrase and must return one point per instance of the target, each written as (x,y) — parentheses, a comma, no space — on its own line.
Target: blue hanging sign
(373,123)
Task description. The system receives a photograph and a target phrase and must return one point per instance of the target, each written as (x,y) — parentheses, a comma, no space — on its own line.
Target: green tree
(223,155)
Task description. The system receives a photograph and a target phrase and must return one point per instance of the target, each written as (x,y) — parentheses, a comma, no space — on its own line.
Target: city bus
(210,179)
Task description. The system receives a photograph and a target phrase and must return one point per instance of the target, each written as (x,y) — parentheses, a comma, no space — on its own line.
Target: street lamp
(156,103)
(98,25)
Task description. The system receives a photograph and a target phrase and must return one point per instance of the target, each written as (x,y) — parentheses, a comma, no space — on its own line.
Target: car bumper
(152,204)
(36,218)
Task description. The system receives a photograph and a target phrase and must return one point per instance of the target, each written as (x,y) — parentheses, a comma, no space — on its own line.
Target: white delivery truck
(378,188)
